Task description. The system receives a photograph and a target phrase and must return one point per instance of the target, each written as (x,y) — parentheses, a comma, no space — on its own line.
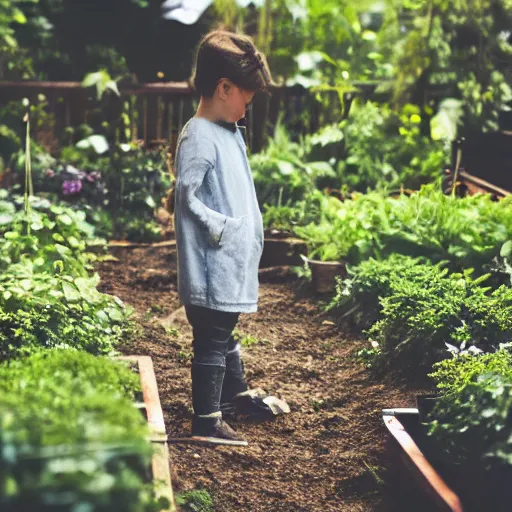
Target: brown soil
(330,454)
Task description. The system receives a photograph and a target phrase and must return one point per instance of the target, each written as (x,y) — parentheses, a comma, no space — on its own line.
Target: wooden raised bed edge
(158,434)
(124,244)
(281,251)
(424,473)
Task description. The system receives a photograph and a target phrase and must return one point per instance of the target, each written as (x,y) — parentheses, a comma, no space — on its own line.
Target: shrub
(471,418)
(357,298)
(421,315)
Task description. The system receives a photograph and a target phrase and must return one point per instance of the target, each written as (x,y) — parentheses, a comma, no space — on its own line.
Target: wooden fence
(158,111)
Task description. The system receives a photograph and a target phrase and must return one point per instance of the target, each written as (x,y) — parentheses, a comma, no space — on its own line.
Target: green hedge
(70,436)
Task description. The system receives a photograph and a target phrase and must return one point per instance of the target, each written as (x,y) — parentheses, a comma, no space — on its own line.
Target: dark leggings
(213,334)
(217,370)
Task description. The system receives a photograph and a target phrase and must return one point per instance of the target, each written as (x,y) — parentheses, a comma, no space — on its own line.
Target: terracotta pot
(324,274)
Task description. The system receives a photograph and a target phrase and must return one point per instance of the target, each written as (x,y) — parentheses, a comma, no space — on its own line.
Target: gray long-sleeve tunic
(219,228)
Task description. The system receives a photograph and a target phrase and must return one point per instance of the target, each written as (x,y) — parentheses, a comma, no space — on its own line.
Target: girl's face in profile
(244,101)
(236,100)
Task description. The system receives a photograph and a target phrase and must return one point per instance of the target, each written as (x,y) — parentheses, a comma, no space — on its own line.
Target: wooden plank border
(158,434)
(423,471)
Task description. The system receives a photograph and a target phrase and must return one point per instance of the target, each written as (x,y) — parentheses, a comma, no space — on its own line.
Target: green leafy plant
(282,172)
(102,81)
(247,340)
(70,436)
(471,419)
(465,232)
(43,310)
(425,313)
(48,234)
(119,186)
(195,501)
(347,230)
(386,149)
(357,298)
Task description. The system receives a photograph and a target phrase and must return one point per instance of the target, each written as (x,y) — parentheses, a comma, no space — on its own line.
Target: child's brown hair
(224,54)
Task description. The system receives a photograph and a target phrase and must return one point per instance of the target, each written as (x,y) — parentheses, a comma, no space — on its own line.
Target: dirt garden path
(330,454)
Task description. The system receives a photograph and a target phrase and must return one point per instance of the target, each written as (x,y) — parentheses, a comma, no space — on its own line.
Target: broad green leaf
(70,292)
(73,242)
(19,17)
(65,219)
(150,202)
(506,249)
(285,168)
(10,41)
(95,78)
(369,35)
(115,315)
(6,218)
(112,85)
(97,142)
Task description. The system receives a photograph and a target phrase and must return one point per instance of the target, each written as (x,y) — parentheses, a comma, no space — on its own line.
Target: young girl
(219,229)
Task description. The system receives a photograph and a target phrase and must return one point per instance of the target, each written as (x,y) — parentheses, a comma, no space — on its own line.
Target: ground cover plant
(412,310)
(471,419)
(40,309)
(70,436)
(48,293)
(356,302)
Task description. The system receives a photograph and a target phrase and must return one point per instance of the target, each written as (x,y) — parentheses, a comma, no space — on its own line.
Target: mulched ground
(330,454)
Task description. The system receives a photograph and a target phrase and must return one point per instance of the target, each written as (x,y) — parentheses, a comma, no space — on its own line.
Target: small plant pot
(323,274)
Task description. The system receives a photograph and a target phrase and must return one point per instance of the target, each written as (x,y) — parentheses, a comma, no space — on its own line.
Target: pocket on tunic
(232,228)
(231,266)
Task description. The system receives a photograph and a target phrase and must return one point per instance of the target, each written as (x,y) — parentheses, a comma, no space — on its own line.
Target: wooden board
(428,478)
(158,435)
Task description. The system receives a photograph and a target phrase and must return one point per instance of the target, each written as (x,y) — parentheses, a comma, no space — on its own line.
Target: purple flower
(50,173)
(71,187)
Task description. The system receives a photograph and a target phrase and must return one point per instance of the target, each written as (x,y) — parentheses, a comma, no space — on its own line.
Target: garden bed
(449,486)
